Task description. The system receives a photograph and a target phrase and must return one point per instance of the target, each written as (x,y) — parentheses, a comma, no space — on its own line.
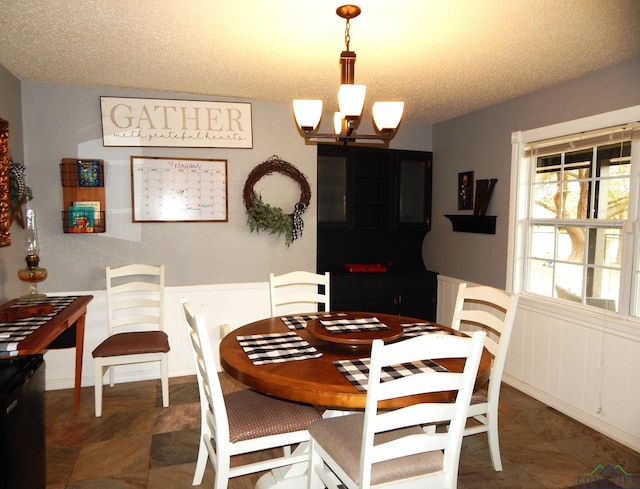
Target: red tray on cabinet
(365,267)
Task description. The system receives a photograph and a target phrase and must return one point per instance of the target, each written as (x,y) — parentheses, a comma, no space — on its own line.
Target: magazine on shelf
(92,204)
(80,219)
(89,173)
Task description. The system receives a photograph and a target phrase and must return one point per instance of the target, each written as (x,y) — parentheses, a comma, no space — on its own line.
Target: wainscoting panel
(585,365)
(229,304)
(582,363)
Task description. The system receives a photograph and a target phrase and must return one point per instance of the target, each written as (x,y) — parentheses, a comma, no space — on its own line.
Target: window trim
(519,184)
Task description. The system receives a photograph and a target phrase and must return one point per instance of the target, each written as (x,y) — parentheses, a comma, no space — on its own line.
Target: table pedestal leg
(293,476)
(288,477)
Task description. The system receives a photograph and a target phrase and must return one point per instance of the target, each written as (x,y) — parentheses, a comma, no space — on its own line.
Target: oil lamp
(33,273)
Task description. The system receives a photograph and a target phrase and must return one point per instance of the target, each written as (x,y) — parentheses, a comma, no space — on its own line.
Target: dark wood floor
(138,444)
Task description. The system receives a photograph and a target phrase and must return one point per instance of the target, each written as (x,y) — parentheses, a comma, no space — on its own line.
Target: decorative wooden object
(5,236)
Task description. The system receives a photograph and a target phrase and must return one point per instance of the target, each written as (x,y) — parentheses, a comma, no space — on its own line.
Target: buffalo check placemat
(357,371)
(410,330)
(13,332)
(276,348)
(353,324)
(300,321)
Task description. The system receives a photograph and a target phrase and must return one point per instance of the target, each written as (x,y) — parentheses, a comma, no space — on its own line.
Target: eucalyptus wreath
(262,216)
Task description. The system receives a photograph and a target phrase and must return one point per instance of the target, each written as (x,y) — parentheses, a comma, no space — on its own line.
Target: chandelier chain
(347,36)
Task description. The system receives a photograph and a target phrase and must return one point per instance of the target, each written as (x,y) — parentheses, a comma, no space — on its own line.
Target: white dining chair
(135,319)
(298,292)
(242,421)
(492,310)
(388,447)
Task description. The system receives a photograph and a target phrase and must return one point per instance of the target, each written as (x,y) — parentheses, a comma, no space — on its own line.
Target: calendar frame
(143,211)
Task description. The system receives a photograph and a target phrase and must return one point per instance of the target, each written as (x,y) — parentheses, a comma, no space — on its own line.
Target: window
(577,213)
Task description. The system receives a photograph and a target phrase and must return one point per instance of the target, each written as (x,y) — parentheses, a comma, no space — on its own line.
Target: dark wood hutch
(374,208)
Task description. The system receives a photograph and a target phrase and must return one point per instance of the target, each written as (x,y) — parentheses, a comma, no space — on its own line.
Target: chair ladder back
(208,381)
(492,310)
(136,301)
(300,287)
(430,347)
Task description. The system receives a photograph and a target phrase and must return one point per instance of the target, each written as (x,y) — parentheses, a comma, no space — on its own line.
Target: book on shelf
(89,173)
(93,205)
(81,219)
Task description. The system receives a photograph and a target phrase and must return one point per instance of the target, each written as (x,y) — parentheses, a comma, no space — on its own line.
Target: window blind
(598,137)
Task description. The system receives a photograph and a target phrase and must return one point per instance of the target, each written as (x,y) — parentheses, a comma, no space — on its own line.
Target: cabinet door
(364,188)
(413,208)
(332,189)
(373,196)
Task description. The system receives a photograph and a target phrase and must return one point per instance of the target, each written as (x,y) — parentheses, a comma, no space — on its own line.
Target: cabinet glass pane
(412,181)
(332,189)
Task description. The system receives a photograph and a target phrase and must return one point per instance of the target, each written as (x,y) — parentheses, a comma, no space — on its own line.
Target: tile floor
(138,444)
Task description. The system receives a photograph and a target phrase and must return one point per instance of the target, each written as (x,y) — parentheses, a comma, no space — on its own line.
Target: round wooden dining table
(317,380)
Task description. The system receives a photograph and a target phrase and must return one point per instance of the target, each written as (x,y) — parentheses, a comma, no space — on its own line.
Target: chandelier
(386,115)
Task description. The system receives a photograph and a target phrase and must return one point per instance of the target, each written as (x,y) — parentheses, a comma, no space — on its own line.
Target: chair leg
(221,480)
(201,464)
(97,389)
(315,461)
(494,439)
(164,374)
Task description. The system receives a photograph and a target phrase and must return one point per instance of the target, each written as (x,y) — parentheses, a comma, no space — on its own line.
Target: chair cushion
(253,415)
(341,438)
(132,344)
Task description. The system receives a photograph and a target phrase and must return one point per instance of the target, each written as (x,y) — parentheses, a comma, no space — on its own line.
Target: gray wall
(481,142)
(64,121)
(12,257)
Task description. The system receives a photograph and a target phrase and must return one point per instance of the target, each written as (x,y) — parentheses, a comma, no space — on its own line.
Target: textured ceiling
(444,58)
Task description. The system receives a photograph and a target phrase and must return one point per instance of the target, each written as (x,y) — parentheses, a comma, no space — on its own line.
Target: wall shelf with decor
(83,195)
(473,224)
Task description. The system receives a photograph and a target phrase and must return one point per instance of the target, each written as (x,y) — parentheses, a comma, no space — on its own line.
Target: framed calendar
(178,189)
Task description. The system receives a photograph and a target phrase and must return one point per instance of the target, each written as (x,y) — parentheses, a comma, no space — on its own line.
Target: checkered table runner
(357,371)
(411,330)
(13,332)
(353,324)
(300,321)
(276,348)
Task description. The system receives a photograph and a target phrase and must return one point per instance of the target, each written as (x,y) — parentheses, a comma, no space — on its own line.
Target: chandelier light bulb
(351,100)
(338,122)
(307,113)
(387,115)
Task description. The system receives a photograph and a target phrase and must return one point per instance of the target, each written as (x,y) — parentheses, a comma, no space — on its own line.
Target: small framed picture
(465,190)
